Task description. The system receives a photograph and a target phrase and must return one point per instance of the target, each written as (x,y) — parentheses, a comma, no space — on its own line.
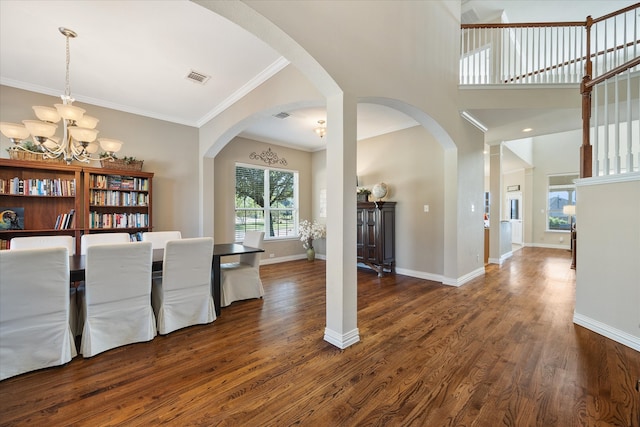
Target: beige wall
(411,163)
(239,151)
(552,154)
(608,250)
(169,150)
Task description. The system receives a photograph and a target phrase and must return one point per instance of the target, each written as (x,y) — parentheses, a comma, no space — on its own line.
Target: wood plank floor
(499,351)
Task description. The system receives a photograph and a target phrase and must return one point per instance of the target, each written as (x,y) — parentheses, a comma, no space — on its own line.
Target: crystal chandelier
(321,130)
(79,135)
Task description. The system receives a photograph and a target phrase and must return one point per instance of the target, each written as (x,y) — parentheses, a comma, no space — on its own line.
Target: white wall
(608,257)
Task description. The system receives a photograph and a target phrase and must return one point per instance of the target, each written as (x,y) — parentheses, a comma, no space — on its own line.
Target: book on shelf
(66,221)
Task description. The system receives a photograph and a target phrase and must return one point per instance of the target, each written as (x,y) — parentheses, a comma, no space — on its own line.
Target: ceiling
(121,59)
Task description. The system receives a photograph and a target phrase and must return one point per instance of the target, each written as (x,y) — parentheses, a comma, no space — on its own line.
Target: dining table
(77,265)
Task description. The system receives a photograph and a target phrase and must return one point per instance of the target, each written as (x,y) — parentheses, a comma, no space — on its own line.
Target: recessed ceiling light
(527,130)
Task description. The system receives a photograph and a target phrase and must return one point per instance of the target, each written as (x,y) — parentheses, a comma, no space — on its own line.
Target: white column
(341,329)
(495,211)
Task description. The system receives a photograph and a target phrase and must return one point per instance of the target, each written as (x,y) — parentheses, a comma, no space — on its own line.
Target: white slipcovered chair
(102,238)
(182,297)
(41,242)
(159,238)
(241,280)
(116,302)
(34,310)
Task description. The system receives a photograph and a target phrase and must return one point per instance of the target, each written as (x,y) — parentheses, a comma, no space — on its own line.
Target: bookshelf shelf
(59,189)
(117,201)
(38,192)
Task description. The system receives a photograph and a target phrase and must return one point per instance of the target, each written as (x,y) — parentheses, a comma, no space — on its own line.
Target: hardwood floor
(499,351)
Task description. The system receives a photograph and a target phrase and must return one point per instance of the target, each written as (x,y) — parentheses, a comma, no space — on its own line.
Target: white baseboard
(502,258)
(548,246)
(463,279)
(607,331)
(341,341)
(420,274)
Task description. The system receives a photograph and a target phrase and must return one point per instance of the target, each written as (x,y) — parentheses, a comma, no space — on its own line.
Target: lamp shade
(52,143)
(92,147)
(14,131)
(569,209)
(41,129)
(46,114)
(70,112)
(83,134)
(86,121)
(110,145)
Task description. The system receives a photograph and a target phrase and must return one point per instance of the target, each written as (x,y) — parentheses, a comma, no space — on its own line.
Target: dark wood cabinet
(376,245)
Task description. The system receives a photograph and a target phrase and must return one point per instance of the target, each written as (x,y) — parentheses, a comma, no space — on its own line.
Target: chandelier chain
(67,88)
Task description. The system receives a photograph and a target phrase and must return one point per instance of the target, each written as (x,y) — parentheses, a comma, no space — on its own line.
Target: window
(266,200)
(562,191)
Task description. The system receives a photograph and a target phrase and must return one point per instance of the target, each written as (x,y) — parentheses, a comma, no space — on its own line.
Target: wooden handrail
(616,13)
(551,24)
(611,73)
(527,24)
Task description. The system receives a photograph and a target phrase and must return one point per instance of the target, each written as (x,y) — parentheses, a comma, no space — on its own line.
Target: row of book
(38,187)
(118,198)
(66,221)
(116,182)
(118,220)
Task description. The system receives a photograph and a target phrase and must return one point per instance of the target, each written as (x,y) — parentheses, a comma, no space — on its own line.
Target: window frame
(267,210)
(571,199)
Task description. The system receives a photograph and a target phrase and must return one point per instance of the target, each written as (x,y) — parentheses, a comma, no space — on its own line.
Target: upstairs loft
(598,60)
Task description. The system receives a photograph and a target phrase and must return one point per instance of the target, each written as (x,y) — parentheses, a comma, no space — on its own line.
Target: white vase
(311,254)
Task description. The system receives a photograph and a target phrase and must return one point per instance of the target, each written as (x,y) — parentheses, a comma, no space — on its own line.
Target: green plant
(363,190)
(27,145)
(127,160)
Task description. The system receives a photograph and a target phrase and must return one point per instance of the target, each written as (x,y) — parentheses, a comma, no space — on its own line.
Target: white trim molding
(463,279)
(341,341)
(420,275)
(607,331)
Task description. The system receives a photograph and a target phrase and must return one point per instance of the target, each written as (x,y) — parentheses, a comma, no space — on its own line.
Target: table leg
(215,283)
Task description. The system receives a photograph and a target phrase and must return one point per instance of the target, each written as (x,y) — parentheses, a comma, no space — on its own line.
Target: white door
(514,206)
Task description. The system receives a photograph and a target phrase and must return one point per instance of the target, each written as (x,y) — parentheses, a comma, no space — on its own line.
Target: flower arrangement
(363,194)
(309,231)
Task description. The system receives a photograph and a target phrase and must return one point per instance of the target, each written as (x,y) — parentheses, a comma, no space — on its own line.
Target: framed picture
(513,188)
(11,218)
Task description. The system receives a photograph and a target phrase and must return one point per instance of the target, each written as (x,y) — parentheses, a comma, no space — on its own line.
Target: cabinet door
(371,235)
(360,234)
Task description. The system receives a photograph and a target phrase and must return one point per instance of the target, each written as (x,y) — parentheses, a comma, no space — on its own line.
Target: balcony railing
(602,55)
(547,53)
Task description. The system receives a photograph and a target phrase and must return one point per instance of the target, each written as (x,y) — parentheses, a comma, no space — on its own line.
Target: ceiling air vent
(282,115)
(197,77)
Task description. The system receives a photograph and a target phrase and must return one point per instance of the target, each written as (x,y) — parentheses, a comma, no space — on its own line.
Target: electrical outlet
(272,255)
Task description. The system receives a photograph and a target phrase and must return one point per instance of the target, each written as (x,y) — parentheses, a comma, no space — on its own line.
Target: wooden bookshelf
(38,192)
(117,201)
